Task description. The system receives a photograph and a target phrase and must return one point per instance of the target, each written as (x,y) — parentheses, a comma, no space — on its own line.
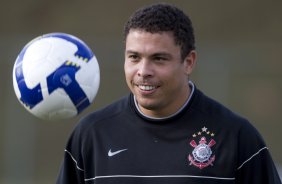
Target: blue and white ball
(56,76)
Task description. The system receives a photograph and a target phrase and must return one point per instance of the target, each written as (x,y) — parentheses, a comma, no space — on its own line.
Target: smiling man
(166,130)
(156,73)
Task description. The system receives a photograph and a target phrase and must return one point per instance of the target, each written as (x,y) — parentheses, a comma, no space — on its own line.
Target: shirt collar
(191,85)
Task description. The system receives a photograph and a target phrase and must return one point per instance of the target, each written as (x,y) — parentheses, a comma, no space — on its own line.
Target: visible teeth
(147,88)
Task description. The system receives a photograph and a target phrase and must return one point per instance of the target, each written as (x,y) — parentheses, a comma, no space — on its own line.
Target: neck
(164,115)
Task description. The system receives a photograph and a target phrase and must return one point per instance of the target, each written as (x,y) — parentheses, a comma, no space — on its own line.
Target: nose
(145,69)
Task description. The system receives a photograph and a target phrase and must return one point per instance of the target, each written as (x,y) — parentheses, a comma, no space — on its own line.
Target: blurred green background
(239,44)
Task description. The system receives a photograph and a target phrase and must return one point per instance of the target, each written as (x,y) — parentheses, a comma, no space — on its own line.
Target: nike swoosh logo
(110,153)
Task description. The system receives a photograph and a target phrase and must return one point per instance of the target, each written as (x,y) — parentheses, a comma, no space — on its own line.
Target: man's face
(155,72)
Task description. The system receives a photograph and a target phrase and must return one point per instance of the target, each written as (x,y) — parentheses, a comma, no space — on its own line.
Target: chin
(147,104)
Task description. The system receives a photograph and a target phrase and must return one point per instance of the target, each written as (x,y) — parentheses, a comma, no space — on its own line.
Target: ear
(190,62)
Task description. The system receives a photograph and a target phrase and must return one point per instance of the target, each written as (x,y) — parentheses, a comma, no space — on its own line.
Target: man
(166,130)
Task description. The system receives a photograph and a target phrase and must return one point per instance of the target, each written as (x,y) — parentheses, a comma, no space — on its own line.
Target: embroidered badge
(202,155)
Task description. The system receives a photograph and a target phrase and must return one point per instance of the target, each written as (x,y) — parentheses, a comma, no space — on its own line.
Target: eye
(159,58)
(133,57)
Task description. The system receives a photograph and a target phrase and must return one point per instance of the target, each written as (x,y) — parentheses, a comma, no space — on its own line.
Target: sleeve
(255,165)
(72,169)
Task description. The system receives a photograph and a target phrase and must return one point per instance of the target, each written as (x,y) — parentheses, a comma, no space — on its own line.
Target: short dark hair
(164,17)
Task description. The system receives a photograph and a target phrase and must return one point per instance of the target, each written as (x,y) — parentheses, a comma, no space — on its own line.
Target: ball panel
(43,57)
(82,49)
(55,105)
(89,83)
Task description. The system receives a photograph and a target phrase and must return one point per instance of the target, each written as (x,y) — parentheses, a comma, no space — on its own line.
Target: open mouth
(147,87)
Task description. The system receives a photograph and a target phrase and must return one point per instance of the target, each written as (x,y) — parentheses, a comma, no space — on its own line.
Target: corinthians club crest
(202,155)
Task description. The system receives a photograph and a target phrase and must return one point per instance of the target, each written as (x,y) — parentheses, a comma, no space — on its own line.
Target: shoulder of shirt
(104,114)
(221,116)
(213,109)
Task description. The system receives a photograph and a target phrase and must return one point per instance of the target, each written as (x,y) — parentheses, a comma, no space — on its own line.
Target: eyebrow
(157,54)
(131,52)
(163,54)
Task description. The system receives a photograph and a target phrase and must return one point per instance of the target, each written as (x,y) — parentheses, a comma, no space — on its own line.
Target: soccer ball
(56,76)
